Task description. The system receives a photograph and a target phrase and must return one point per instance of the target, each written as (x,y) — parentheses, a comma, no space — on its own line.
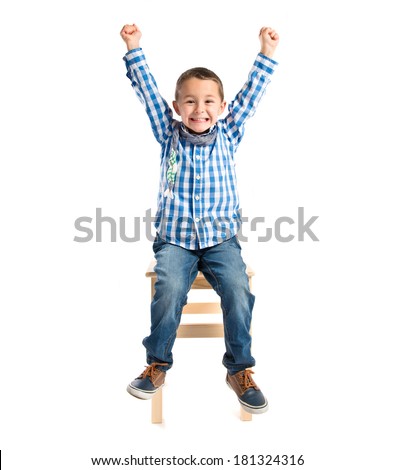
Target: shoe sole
(142,394)
(254,410)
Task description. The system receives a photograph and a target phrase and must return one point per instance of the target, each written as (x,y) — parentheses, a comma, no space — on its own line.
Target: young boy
(198,210)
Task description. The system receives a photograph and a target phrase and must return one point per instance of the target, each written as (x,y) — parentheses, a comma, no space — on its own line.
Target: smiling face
(199,103)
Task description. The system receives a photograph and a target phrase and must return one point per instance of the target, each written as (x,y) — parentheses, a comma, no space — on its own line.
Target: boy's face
(199,104)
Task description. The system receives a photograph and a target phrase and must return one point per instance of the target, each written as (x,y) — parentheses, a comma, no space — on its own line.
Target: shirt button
(197,157)
(198,177)
(197,198)
(197,219)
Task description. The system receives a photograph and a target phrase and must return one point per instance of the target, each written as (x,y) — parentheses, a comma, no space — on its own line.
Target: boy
(198,211)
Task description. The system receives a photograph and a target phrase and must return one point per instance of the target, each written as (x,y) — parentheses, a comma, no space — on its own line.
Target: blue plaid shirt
(205,208)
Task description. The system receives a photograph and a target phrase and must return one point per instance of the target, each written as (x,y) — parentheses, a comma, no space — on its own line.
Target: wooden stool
(193,330)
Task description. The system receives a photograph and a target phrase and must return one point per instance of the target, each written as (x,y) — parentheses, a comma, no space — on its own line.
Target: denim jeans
(224,269)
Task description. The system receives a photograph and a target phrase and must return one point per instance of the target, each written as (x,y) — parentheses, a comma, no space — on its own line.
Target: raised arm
(245,103)
(144,84)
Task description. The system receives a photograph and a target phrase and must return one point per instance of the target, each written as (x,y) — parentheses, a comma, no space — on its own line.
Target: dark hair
(201,73)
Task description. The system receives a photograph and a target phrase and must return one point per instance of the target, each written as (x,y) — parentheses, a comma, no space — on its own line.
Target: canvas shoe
(249,395)
(148,383)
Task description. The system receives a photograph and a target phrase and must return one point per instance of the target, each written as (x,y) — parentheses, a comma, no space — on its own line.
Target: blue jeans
(224,269)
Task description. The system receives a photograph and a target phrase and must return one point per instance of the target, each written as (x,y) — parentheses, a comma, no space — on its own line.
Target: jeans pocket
(236,241)
(158,244)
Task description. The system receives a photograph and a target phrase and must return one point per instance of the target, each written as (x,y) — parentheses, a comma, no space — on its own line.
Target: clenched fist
(269,39)
(131,35)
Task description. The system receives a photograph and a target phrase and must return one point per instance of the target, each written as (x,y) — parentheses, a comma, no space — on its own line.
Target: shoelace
(152,371)
(245,380)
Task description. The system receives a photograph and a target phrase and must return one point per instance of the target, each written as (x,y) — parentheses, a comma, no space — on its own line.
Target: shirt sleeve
(245,103)
(144,84)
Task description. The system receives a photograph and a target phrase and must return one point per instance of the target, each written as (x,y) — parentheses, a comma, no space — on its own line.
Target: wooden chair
(194,330)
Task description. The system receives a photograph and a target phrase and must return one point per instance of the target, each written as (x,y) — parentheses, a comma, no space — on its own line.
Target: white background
(75,138)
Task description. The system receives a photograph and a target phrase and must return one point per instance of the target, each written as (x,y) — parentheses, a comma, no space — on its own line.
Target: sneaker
(249,395)
(148,383)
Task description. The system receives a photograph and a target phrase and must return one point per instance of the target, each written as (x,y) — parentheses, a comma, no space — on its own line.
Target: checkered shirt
(205,208)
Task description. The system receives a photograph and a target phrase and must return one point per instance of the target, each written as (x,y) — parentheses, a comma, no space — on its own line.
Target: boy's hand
(269,39)
(131,35)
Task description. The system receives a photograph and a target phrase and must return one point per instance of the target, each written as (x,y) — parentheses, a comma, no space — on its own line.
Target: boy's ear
(176,107)
(222,107)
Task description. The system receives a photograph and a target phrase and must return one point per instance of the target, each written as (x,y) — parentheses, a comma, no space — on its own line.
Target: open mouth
(197,120)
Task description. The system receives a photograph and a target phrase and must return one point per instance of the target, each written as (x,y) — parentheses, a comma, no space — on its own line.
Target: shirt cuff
(265,63)
(134,56)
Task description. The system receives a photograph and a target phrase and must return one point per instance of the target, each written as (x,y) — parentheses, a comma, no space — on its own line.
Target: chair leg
(245,416)
(157,407)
